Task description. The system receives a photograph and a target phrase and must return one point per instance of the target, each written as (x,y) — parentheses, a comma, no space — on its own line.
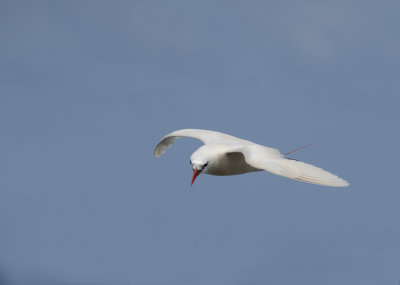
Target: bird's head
(200,161)
(197,168)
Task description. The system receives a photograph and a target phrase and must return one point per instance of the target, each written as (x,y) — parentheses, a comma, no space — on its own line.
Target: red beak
(195,174)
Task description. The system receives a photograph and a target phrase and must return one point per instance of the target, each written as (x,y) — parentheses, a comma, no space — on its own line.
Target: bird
(224,155)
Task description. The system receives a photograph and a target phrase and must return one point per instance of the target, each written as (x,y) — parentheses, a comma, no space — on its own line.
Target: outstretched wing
(205,136)
(259,158)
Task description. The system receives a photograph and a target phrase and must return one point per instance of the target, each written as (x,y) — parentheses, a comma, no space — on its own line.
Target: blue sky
(88,88)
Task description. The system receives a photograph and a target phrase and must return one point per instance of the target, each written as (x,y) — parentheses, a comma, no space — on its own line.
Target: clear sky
(87,88)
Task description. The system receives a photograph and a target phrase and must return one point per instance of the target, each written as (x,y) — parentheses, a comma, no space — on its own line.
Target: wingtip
(346,184)
(157,152)
(160,149)
(341,183)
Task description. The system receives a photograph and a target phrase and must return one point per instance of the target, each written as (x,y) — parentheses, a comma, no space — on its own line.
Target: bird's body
(224,154)
(225,160)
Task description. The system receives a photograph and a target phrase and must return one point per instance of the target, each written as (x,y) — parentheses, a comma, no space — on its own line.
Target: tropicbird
(223,154)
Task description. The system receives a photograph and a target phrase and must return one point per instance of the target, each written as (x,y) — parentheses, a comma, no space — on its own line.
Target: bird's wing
(261,158)
(205,136)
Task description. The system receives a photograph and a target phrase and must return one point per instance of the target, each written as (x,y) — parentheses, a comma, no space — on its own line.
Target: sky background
(87,88)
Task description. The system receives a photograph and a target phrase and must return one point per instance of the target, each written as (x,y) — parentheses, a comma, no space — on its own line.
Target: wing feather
(259,158)
(205,136)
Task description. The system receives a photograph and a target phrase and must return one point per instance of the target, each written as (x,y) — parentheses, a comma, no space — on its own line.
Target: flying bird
(223,154)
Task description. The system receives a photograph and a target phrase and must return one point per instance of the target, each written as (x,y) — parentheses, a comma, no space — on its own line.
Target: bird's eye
(205,165)
(190,162)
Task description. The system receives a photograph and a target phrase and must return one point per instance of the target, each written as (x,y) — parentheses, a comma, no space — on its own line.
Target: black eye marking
(205,165)
(190,162)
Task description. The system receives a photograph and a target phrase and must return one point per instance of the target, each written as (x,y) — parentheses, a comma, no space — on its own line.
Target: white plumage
(224,154)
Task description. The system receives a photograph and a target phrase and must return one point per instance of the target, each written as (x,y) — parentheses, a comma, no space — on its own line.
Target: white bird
(224,154)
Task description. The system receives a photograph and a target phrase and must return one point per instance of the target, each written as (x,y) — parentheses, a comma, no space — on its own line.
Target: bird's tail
(297,149)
